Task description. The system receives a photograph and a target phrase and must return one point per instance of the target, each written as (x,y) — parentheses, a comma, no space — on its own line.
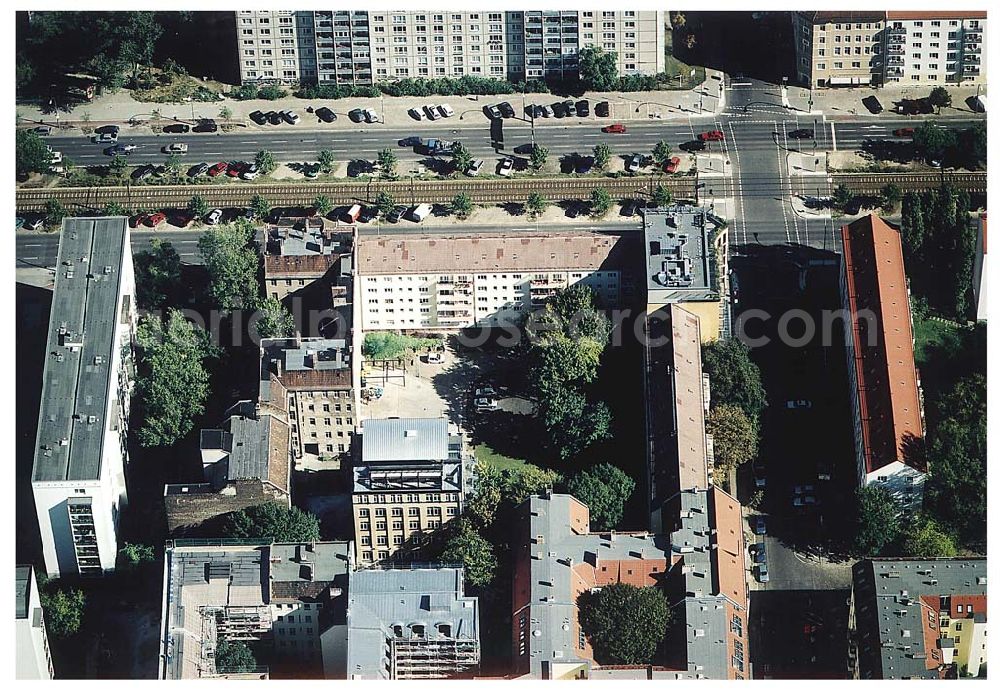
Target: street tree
(173,164)
(605,489)
(939,98)
(114,209)
(63,611)
(384,203)
(232,264)
(662,197)
(265,162)
(972,146)
(598,69)
(926,539)
(876,521)
(54,212)
(465,545)
(260,207)
(624,623)
(600,202)
(157,275)
(326,161)
(602,156)
(661,152)
(273,521)
(734,436)
(198,206)
(173,381)
(226,113)
(735,377)
(30,153)
(387,161)
(933,140)
(462,205)
(461,157)
(323,204)
(118,166)
(842,197)
(234,657)
(539,156)
(892,194)
(273,320)
(537,204)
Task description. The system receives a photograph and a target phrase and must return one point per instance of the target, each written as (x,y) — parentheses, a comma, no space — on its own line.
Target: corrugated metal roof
(399,440)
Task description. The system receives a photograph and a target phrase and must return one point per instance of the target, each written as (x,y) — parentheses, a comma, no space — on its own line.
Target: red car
(616,128)
(712,136)
(138,220)
(671,166)
(218,168)
(155,218)
(903,132)
(236,168)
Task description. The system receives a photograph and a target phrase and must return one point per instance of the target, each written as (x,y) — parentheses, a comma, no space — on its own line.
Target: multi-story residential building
(885,388)
(413,623)
(412,477)
(556,559)
(290,598)
(919,618)
(979,270)
(313,381)
(81,450)
(937,48)
(456,281)
(678,449)
(879,48)
(366,47)
(686,262)
(34,660)
(246,462)
(299,252)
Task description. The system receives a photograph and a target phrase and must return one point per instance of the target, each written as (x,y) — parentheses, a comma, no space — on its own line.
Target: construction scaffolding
(432,658)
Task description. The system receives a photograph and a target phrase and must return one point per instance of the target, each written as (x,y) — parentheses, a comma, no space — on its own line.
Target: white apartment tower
(81,450)
(365,47)
(34,659)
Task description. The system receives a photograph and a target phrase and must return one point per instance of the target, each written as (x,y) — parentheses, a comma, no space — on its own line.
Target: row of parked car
(567,109)
(432,112)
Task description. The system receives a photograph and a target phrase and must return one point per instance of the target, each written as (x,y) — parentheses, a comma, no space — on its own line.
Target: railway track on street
(303,194)
(872,183)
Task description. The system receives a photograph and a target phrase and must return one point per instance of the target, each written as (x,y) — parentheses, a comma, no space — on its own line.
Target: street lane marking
(833,134)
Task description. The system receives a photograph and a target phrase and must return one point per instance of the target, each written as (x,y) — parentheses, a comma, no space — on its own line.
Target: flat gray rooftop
(677,254)
(77,377)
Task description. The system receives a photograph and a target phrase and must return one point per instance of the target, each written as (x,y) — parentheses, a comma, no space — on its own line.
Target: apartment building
(879,48)
(288,598)
(366,47)
(246,462)
(312,380)
(979,270)
(687,263)
(412,477)
(410,624)
(81,449)
(300,252)
(919,618)
(939,48)
(450,282)
(886,402)
(34,659)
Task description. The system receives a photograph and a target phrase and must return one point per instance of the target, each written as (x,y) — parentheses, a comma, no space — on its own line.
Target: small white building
(78,479)
(34,661)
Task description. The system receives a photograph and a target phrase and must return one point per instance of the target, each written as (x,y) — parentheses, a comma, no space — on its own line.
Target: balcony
(894,61)
(973,49)
(894,72)
(972,60)
(895,48)
(973,38)
(896,31)
(972,70)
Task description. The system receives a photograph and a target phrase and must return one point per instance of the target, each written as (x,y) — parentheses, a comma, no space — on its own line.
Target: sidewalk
(120,107)
(842,101)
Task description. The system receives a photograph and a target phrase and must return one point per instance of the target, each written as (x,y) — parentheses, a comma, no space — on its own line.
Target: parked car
(198,170)
(43,130)
(602,109)
(250,172)
(903,132)
(415,114)
(760,525)
(411,141)
(583,108)
(492,111)
(532,111)
(547,112)
(872,104)
(802,134)
(206,126)
(435,357)
(475,168)
(219,168)
(421,212)
(432,112)
(798,404)
(368,214)
(155,219)
(107,129)
(175,148)
(371,116)
(570,108)
(506,109)
(352,214)
(290,117)
(629,208)
(356,115)
(446,110)
(670,166)
(583,165)
(762,574)
(558,109)
(105,138)
(633,163)
(486,404)
(34,223)
(118,149)
(235,168)
(614,129)
(274,118)
(395,215)
(143,172)
(693,146)
(326,115)
(759,552)
(505,167)
(712,136)
(259,117)
(177,128)
(213,217)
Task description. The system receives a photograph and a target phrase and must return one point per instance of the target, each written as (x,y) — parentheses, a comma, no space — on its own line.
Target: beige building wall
(323,422)
(386,522)
(839,51)
(268,45)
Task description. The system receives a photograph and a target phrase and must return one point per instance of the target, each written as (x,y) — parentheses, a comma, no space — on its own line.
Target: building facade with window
(34,659)
(81,449)
(413,476)
(366,47)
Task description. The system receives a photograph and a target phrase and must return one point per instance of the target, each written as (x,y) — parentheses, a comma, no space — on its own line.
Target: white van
(421,212)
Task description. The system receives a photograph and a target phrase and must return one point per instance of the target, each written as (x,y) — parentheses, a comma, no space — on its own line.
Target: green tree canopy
(54,212)
(734,376)
(265,162)
(234,657)
(572,422)
(661,152)
(390,345)
(662,197)
(30,153)
(198,206)
(511,486)
(933,139)
(323,205)
(939,98)
(602,156)
(604,489)
(598,69)
(563,361)
(876,522)
(274,320)
(539,155)
(157,275)
(972,146)
(173,382)
(892,194)
(537,204)
(925,539)
(467,546)
(63,610)
(462,205)
(232,265)
(260,207)
(600,202)
(273,521)
(461,156)
(326,160)
(134,554)
(625,624)
(734,436)
(842,196)
(118,166)
(387,161)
